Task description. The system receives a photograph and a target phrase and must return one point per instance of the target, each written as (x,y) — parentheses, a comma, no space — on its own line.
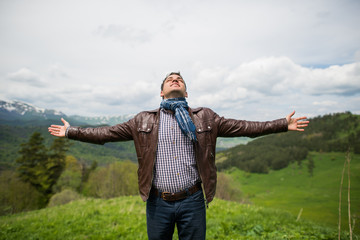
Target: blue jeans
(188,214)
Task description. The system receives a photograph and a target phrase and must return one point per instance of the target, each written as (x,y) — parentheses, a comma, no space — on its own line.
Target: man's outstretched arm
(296,124)
(58,130)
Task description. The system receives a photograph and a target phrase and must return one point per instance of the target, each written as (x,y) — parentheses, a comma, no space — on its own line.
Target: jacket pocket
(144,132)
(204,133)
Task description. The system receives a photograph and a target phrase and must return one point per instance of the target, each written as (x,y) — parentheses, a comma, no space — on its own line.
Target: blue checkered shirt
(175,166)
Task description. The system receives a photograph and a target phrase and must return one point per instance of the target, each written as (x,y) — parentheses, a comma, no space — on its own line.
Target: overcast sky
(254,60)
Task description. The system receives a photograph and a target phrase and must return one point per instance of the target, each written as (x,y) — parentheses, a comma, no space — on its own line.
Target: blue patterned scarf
(180,106)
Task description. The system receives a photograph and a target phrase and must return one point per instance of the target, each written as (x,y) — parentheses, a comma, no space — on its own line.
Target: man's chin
(175,95)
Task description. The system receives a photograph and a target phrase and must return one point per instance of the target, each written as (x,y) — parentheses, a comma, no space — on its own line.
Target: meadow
(124,218)
(317,197)
(270,210)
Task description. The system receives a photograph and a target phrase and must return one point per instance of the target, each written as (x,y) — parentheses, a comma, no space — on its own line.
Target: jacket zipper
(196,159)
(157,137)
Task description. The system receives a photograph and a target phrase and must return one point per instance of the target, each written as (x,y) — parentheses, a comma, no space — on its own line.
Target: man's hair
(167,75)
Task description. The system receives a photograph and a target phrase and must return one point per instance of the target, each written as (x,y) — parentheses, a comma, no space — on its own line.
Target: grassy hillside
(12,136)
(124,218)
(334,132)
(293,189)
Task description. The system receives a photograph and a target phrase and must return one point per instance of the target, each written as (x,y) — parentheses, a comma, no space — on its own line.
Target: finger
(288,117)
(292,114)
(55,126)
(54,131)
(301,118)
(64,121)
(57,134)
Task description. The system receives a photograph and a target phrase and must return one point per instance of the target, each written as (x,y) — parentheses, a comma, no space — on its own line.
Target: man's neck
(174,95)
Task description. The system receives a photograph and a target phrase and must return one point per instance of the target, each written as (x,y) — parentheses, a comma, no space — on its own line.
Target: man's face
(174,87)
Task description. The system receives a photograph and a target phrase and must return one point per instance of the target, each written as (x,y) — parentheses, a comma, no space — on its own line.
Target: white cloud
(267,83)
(281,76)
(252,58)
(26,77)
(126,34)
(325,103)
(341,80)
(277,83)
(57,71)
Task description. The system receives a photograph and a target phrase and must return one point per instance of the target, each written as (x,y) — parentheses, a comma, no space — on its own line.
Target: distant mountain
(102,120)
(18,120)
(16,112)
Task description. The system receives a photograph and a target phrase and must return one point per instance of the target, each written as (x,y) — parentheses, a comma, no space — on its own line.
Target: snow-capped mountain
(102,120)
(21,111)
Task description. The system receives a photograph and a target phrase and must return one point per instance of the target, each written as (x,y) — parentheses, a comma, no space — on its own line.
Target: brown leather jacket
(143,129)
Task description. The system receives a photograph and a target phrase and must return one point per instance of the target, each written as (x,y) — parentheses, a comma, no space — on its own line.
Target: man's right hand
(58,130)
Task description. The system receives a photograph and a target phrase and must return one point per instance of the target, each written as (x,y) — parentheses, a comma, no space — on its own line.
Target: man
(175,147)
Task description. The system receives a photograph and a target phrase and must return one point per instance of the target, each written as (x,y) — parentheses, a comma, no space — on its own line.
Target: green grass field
(293,189)
(275,201)
(124,218)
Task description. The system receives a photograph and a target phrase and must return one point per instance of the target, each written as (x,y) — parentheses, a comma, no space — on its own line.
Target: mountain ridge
(18,120)
(18,110)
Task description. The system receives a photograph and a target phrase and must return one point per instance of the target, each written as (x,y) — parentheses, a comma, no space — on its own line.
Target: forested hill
(334,132)
(19,120)
(11,137)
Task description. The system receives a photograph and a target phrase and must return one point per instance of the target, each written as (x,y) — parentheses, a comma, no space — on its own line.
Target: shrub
(226,191)
(63,197)
(69,179)
(114,180)
(16,195)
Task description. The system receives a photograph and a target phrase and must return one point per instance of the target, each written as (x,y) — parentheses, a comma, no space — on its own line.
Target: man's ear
(186,95)
(162,94)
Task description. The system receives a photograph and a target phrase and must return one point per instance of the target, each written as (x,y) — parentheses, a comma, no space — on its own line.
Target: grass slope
(124,218)
(293,189)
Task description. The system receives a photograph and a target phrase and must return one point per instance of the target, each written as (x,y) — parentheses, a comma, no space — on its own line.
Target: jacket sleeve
(242,128)
(101,135)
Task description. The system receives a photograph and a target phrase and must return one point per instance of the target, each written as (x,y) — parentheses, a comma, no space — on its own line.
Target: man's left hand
(296,124)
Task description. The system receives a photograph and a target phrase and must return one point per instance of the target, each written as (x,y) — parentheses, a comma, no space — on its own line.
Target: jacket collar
(193,110)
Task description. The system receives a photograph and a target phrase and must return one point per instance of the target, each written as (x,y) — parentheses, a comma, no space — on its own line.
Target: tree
(39,166)
(71,177)
(311,166)
(56,161)
(32,161)
(86,171)
(114,180)
(16,195)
